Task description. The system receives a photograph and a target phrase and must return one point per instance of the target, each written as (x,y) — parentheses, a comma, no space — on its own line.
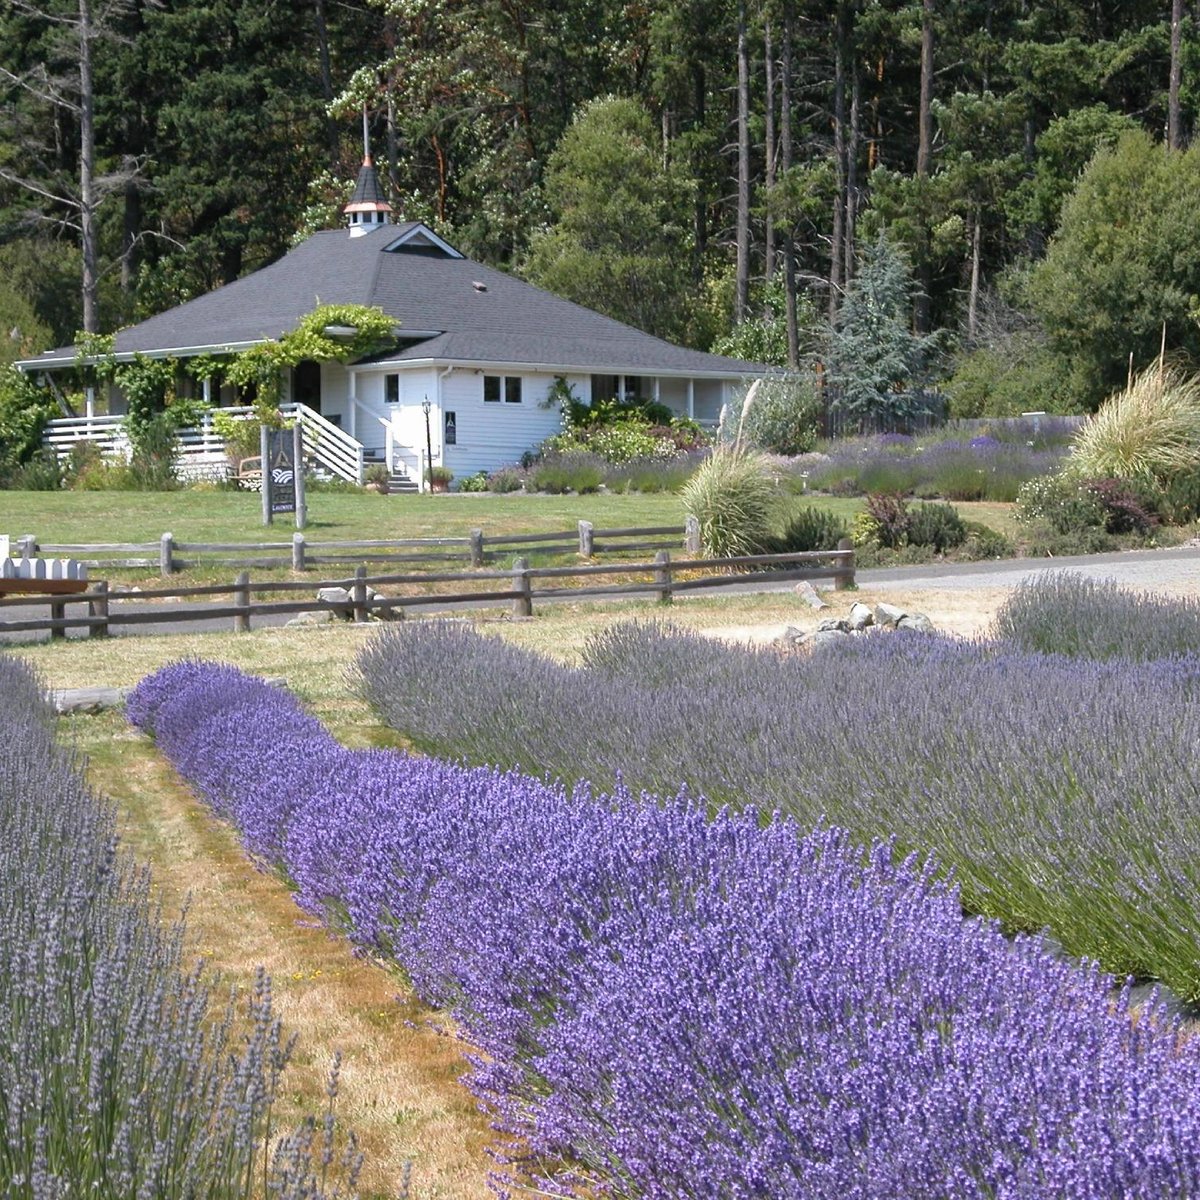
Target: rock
(827,637)
(787,636)
(918,621)
(808,594)
(833,625)
(88,699)
(888,614)
(860,617)
(322,616)
(333,595)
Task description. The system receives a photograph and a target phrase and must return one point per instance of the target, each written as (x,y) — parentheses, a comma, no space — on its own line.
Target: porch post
(656,389)
(353,414)
(90,394)
(691,399)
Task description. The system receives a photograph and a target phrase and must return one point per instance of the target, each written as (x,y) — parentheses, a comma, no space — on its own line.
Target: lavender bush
(982,467)
(675,1004)
(1062,792)
(1059,612)
(116,1079)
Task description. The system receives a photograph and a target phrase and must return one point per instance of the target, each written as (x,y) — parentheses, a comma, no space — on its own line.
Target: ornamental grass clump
(1058,612)
(733,497)
(1148,431)
(670,1002)
(117,1077)
(1062,792)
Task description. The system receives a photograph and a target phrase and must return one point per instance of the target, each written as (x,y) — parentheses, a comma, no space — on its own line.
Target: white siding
(493,434)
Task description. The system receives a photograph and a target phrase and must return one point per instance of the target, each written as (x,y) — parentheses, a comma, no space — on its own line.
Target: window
(507,385)
(391,389)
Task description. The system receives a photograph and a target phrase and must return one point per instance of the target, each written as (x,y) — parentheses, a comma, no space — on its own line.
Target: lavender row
(1064,613)
(1062,793)
(117,1078)
(678,1005)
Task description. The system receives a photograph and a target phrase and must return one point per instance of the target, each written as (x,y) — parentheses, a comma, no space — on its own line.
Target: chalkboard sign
(451,430)
(281,477)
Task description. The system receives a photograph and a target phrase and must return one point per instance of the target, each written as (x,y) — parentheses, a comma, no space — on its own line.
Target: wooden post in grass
(587,540)
(662,576)
(98,607)
(477,547)
(691,535)
(360,595)
(241,598)
(844,579)
(522,605)
(297,552)
(166,554)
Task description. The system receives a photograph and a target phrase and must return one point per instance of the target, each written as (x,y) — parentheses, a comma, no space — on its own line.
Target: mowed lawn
(75,518)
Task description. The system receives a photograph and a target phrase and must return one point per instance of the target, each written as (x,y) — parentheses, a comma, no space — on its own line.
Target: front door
(306,384)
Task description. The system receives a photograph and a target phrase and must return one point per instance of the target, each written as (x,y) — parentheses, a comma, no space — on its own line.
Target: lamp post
(425,408)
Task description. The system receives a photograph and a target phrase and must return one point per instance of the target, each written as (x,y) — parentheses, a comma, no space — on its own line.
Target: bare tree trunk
(785,155)
(852,173)
(769,134)
(924,158)
(741,300)
(837,237)
(331,137)
(87,168)
(1174,124)
(973,293)
(925,112)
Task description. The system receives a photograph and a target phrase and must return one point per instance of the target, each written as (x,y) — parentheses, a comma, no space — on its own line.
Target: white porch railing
(202,452)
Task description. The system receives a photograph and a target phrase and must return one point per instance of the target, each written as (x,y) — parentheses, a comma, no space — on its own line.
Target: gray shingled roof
(506,321)
(366,188)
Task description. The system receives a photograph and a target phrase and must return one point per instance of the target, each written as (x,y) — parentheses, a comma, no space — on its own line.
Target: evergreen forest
(1012,179)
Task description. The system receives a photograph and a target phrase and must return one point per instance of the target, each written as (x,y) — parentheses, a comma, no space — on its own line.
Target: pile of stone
(864,619)
(339,605)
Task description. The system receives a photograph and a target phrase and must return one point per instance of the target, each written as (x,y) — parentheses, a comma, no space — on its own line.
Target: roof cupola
(367,209)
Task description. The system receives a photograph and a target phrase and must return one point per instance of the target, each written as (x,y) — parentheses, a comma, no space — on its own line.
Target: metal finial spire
(366,138)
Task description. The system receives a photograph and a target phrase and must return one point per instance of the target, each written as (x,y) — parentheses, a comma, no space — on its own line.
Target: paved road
(1173,567)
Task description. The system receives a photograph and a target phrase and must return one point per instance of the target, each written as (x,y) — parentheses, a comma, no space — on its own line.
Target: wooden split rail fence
(662,579)
(476,549)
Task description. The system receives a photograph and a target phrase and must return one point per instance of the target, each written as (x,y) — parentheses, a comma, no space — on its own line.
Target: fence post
(241,598)
(691,535)
(844,579)
(662,576)
(58,612)
(297,552)
(99,608)
(477,547)
(587,539)
(522,605)
(28,544)
(360,594)
(166,553)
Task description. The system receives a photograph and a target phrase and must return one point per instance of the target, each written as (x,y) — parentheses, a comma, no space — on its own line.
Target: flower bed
(1062,792)
(115,1079)
(680,1005)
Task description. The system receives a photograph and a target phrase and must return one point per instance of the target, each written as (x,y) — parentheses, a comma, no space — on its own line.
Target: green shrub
(784,416)
(732,496)
(474,483)
(1178,499)
(808,528)
(1059,502)
(1045,542)
(1127,508)
(24,410)
(938,526)
(40,473)
(984,542)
